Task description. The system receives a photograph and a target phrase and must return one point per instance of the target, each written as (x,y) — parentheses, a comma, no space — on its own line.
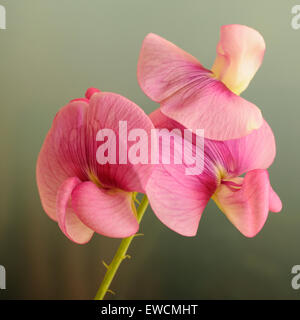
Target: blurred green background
(51,52)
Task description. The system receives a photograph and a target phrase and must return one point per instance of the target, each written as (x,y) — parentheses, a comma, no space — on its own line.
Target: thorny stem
(120,255)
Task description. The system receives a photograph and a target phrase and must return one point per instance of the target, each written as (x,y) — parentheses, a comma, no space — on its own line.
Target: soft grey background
(50,53)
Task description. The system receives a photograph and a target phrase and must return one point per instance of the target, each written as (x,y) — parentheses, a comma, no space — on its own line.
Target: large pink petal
(189,93)
(255,151)
(68,222)
(163,68)
(246,205)
(239,55)
(62,154)
(106,111)
(177,199)
(108,212)
(207,104)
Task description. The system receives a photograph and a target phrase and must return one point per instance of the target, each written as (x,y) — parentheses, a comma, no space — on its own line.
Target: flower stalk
(120,255)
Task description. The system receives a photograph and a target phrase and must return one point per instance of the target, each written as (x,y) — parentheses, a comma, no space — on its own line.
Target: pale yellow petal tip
(254,125)
(239,88)
(240,52)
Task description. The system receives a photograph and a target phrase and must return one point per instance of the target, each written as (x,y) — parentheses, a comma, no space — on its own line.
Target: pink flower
(81,195)
(178,199)
(200,98)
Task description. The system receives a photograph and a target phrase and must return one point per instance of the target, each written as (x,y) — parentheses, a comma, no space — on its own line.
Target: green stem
(120,255)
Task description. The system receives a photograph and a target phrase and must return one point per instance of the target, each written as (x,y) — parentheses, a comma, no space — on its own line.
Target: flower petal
(207,104)
(239,55)
(255,151)
(177,196)
(108,212)
(107,111)
(177,199)
(68,222)
(275,202)
(189,94)
(163,68)
(247,206)
(61,155)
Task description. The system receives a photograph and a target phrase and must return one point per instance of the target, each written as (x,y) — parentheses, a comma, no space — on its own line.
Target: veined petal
(107,111)
(163,68)
(189,93)
(176,197)
(62,154)
(246,205)
(208,104)
(68,222)
(239,55)
(254,151)
(108,212)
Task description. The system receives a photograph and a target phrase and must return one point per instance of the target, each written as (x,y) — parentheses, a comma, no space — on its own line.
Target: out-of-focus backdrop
(51,52)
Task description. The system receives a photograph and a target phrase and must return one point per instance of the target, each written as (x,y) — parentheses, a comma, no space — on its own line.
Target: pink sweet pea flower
(178,199)
(75,190)
(200,98)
